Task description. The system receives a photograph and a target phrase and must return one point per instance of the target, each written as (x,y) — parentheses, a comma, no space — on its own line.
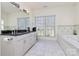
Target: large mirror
(12,17)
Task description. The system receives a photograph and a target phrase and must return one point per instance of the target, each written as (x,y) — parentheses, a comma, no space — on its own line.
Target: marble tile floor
(46,48)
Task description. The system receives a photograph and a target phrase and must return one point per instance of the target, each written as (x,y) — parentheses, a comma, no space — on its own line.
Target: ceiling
(40,5)
(32,6)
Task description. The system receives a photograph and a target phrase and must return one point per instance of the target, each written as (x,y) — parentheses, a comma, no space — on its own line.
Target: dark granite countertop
(18,34)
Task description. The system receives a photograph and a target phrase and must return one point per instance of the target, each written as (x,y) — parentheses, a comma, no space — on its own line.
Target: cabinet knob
(7,39)
(10,38)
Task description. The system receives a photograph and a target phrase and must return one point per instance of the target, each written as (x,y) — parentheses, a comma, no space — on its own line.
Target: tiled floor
(46,48)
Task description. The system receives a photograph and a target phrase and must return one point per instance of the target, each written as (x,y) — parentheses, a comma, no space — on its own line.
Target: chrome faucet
(13,32)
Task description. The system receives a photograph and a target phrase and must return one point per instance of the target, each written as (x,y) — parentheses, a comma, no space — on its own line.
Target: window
(45,25)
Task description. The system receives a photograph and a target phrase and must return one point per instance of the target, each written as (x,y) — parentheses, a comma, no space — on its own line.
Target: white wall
(64,15)
(0,28)
(0,17)
(4,17)
(77,7)
(77,18)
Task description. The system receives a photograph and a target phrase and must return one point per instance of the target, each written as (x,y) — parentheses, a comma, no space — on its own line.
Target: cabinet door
(0,45)
(7,49)
(19,47)
(29,40)
(32,38)
(26,44)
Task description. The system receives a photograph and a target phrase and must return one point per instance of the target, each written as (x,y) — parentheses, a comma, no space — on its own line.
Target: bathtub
(69,44)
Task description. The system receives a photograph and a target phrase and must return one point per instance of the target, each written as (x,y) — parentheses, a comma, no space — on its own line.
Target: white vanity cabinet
(19,45)
(0,46)
(13,47)
(18,48)
(29,41)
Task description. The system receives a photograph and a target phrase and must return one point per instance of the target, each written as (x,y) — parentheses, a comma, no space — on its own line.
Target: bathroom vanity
(16,36)
(17,45)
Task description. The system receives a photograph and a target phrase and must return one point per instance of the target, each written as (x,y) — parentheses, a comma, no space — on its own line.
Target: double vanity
(17,44)
(17,36)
